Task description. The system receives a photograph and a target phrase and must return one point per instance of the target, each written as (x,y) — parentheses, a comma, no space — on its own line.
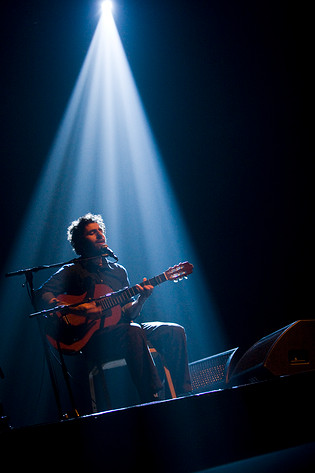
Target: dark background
(226,87)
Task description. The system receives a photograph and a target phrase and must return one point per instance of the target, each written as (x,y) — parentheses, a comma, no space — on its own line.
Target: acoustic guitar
(69,331)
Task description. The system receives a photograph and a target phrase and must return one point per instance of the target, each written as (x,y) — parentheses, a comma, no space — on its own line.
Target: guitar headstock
(179,271)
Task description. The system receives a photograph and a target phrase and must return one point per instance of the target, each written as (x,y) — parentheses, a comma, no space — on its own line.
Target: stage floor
(267,425)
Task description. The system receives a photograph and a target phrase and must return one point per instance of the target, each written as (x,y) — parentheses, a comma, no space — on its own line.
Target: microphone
(108,252)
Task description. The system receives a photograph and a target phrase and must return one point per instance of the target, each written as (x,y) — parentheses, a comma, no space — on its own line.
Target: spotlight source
(106,7)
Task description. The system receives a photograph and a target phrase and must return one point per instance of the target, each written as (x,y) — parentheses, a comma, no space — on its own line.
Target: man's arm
(46,295)
(132,309)
(49,300)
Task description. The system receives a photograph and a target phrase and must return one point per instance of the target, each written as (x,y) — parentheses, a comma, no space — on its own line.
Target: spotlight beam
(105,160)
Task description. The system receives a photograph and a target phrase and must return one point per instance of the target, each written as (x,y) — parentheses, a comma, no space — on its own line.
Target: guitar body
(70,332)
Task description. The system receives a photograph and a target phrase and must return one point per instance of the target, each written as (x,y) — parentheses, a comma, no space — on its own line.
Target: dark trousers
(130,341)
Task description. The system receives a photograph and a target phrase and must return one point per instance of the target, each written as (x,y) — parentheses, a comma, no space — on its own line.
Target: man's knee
(135,332)
(178,331)
(175,328)
(172,330)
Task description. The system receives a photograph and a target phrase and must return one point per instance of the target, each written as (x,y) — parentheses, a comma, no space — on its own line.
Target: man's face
(94,239)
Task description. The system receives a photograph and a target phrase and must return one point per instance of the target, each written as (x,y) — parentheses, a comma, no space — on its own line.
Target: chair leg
(92,388)
(167,375)
(170,382)
(99,371)
(105,389)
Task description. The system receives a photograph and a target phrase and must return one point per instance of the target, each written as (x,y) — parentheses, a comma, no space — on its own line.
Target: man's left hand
(145,291)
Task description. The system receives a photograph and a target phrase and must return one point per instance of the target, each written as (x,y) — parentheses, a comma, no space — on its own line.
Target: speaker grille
(209,373)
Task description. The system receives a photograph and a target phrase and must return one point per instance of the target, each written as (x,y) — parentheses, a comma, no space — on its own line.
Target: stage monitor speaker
(210,373)
(287,351)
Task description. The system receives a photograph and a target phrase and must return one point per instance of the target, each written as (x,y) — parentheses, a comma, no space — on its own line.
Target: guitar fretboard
(111,300)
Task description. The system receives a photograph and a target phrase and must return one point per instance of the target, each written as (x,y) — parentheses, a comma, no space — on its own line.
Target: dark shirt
(80,277)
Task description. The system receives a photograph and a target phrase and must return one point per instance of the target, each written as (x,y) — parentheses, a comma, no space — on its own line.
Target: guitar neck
(119,297)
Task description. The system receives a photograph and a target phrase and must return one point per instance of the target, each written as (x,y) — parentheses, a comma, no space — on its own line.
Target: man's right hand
(90,309)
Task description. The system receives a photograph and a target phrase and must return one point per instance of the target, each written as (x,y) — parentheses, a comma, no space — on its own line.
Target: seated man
(103,334)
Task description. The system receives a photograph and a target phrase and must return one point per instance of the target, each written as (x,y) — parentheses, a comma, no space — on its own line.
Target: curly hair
(75,230)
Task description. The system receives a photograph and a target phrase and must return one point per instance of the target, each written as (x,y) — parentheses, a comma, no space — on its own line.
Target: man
(106,341)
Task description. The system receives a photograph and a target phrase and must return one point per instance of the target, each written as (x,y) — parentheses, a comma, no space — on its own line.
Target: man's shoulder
(117,267)
(68,268)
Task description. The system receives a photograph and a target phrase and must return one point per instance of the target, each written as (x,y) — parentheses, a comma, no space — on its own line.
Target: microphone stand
(28,273)
(35,269)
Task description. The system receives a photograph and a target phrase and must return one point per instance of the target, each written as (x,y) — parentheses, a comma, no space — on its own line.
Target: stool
(100,370)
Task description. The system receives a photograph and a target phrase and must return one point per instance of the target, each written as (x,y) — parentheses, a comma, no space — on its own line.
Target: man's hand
(90,309)
(87,308)
(145,291)
(133,309)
